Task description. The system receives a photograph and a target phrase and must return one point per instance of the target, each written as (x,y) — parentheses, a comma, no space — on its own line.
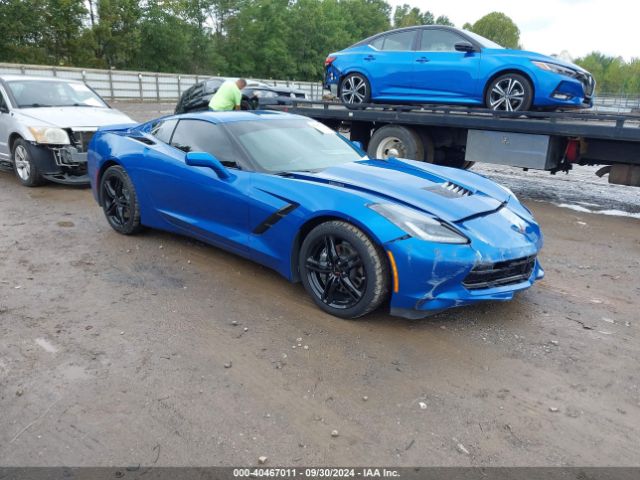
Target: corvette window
(3,103)
(200,136)
(399,41)
(439,41)
(163,129)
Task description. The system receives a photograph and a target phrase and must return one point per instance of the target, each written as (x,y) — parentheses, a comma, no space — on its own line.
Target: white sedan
(46,125)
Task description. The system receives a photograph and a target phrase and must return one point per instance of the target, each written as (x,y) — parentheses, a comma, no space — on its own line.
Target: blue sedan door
(389,64)
(443,74)
(194,199)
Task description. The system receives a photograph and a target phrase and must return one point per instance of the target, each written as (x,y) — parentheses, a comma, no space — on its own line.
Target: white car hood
(71,117)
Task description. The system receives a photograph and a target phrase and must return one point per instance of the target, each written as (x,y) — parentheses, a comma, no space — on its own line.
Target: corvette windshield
(293,145)
(43,93)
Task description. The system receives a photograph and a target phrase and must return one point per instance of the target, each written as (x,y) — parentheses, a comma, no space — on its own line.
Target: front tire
(355,90)
(342,270)
(23,165)
(510,92)
(119,201)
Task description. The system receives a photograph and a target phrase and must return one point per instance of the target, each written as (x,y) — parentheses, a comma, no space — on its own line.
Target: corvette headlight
(50,135)
(418,224)
(552,67)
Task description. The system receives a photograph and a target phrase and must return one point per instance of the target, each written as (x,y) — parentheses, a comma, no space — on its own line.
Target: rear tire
(510,92)
(119,201)
(23,165)
(396,141)
(355,90)
(342,270)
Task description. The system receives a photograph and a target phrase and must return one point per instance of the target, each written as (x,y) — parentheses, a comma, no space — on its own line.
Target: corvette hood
(71,117)
(449,194)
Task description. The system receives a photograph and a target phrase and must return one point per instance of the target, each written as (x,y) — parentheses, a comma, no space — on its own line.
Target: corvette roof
(241,116)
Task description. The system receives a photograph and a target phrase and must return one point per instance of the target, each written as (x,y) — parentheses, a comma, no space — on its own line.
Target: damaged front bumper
(498,262)
(61,163)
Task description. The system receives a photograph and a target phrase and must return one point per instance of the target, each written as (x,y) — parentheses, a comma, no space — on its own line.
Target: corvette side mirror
(465,47)
(204,159)
(358,145)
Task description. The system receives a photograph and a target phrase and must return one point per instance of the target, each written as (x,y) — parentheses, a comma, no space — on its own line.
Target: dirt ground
(114,351)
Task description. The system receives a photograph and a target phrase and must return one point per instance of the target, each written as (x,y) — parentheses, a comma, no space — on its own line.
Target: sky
(551,26)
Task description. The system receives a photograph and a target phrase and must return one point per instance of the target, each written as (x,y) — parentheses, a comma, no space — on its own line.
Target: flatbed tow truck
(459,137)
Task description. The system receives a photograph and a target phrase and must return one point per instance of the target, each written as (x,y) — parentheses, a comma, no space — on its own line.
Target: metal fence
(139,86)
(167,87)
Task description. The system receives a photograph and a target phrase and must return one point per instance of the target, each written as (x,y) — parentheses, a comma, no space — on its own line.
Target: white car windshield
(293,145)
(44,93)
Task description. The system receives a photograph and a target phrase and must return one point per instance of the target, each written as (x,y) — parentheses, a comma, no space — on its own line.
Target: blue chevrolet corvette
(292,194)
(438,64)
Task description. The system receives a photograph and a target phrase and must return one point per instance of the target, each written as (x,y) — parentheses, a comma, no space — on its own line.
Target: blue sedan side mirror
(204,159)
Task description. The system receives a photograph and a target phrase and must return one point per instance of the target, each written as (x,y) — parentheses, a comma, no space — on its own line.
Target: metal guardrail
(139,86)
(167,87)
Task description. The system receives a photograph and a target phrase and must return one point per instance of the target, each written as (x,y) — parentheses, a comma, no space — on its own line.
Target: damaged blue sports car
(292,194)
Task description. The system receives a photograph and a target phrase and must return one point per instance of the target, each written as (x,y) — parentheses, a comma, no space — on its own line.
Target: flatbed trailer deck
(458,136)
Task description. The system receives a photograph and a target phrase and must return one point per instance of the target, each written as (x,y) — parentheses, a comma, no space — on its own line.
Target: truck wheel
(396,141)
(23,165)
(509,93)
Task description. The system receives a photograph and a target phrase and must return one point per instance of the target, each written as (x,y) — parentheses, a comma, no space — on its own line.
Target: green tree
(613,75)
(164,38)
(365,18)
(498,27)
(257,42)
(22,28)
(63,21)
(117,32)
(444,20)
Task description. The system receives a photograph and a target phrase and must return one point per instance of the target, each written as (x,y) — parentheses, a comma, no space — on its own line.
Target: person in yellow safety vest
(228,97)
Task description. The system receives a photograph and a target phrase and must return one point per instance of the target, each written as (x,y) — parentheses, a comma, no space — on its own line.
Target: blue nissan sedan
(291,194)
(438,64)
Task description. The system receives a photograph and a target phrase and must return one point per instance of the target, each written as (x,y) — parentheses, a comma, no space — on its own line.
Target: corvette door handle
(369,58)
(422,60)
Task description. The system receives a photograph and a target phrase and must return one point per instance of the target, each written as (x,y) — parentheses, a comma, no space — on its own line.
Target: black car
(254,96)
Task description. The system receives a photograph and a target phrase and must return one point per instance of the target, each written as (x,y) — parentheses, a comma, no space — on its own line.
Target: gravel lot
(114,350)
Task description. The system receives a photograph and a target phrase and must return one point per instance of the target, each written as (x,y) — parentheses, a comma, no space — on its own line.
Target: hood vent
(449,190)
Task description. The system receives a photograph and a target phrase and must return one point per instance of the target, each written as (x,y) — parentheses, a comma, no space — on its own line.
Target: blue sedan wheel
(509,93)
(355,89)
(343,270)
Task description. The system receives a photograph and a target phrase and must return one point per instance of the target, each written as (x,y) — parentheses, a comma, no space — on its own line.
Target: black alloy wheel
(343,270)
(119,201)
(335,272)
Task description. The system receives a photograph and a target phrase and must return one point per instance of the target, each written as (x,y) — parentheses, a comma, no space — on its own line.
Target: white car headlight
(50,135)
(418,224)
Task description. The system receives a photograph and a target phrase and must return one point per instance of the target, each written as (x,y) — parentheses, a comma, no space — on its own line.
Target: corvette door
(390,64)
(194,199)
(443,74)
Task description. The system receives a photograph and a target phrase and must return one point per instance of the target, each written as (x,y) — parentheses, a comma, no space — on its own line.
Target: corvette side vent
(449,190)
